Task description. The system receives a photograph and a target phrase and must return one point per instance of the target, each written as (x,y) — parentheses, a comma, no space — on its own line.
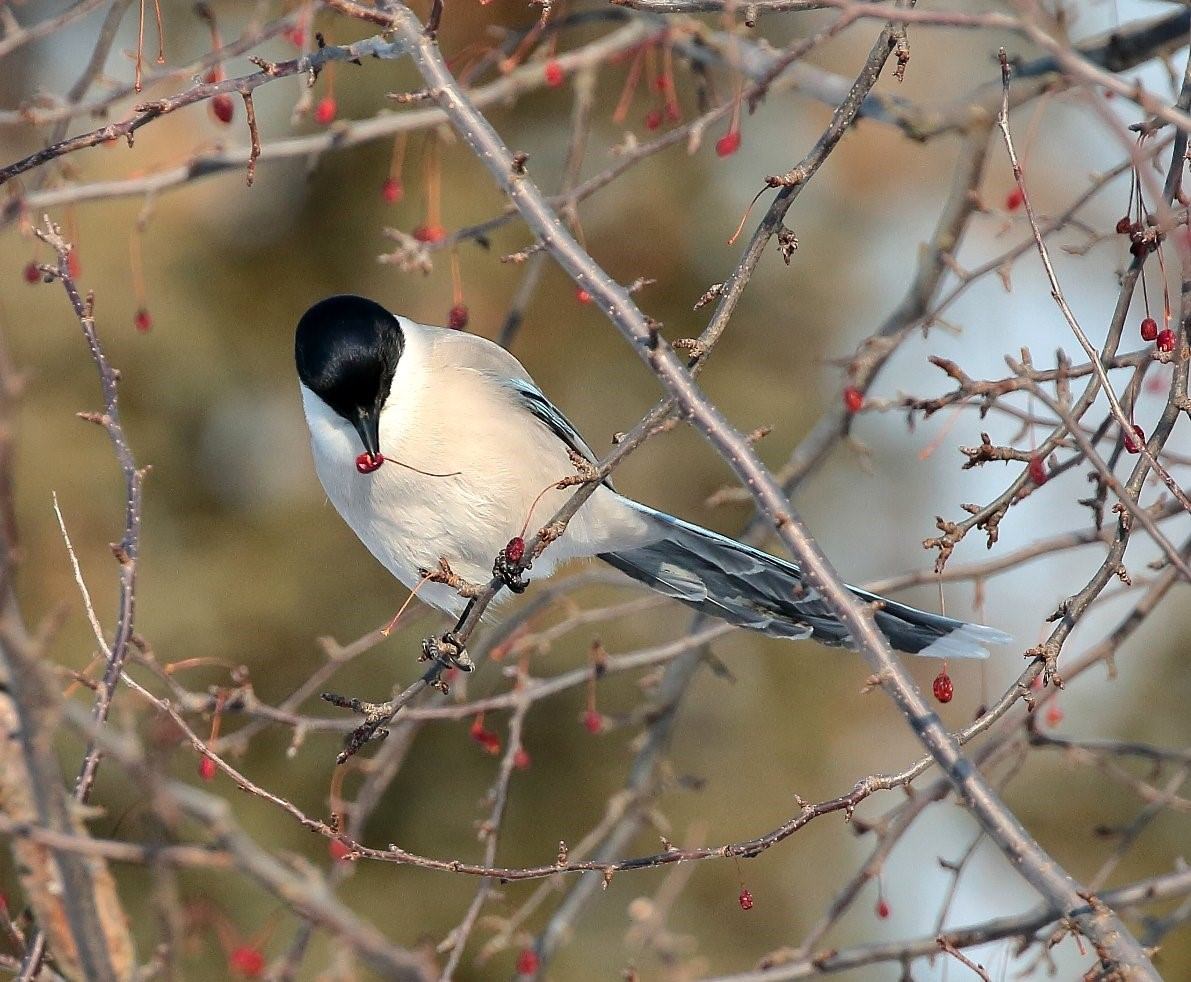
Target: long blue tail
(742,585)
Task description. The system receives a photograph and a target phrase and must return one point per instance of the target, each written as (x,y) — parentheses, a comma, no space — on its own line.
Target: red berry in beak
(366,463)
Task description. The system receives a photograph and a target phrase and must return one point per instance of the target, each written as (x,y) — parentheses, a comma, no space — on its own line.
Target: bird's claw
(448,651)
(509,573)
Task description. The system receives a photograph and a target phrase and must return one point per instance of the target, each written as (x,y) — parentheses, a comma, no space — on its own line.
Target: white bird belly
(500,460)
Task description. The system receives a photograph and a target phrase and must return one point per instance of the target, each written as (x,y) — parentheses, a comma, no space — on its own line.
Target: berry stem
(433,174)
(630,87)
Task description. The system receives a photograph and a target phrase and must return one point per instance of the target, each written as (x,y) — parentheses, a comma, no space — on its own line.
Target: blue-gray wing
(532,399)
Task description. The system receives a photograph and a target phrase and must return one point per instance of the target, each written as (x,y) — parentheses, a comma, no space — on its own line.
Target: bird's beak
(367,424)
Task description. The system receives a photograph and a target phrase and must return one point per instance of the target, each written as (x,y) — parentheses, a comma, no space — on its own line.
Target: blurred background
(243,560)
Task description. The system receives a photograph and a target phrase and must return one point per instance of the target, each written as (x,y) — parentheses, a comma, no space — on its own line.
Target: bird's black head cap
(347,349)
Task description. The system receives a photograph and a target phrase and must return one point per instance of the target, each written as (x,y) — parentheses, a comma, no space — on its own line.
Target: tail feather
(744,586)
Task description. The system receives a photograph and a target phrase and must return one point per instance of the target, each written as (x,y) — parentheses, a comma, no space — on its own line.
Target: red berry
(653,119)
(340,851)
(366,463)
(527,962)
(582,296)
(1136,440)
(728,144)
(515,550)
(943,687)
(295,36)
(142,321)
(555,76)
(1038,472)
(1166,340)
(206,768)
(853,399)
(1124,226)
(326,110)
(483,736)
(430,233)
(247,962)
(392,190)
(457,317)
(31,273)
(1149,329)
(746,899)
(222,107)
(1014,199)
(1054,714)
(673,112)
(882,908)
(593,722)
(521,759)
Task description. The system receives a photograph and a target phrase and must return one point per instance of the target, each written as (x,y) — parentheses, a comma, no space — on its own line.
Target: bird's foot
(447,650)
(508,570)
(376,715)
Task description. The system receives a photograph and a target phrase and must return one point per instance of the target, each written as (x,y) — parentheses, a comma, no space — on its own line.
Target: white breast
(447,413)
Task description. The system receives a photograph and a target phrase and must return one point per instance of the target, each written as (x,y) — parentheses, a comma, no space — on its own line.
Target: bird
(434,444)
